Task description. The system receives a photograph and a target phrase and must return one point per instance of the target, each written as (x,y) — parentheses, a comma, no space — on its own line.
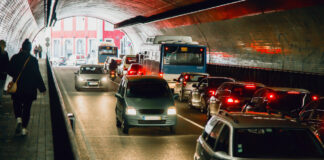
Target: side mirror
(117,95)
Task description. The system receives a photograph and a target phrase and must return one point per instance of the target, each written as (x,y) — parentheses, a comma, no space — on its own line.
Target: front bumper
(139,120)
(94,85)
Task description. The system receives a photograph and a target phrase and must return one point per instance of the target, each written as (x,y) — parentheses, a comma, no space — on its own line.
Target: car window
(147,89)
(91,70)
(317,115)
(204,81)
(287,102)
(214,134)
(130,60)
(276,143)
(194,77)
(223,140)
(315,105)
(216,82)
(243,91)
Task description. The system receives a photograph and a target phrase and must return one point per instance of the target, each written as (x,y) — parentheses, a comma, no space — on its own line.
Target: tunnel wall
(287,40)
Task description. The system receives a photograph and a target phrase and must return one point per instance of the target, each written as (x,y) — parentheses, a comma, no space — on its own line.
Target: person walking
(40,50)
(30,80)
(4,60)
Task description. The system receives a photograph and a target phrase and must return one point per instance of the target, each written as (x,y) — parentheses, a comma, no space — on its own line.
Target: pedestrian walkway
(38,144)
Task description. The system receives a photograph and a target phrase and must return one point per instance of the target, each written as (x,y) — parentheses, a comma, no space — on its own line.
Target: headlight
(172,111)
(104,79)
(130,111)
(80,79)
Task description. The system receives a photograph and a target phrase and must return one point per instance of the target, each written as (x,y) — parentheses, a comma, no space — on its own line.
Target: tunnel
(278,43)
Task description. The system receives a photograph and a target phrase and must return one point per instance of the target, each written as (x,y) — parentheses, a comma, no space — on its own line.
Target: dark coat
(30,79)
(4,61)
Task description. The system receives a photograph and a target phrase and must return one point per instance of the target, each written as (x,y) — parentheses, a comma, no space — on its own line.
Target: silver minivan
(145,101)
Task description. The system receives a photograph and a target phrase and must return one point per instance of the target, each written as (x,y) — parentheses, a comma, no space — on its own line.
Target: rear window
(216,82)
(243,91)
(148,89)
(130,60)
(136,67)
(276,143)
(287,102)
(194,77)
(91,70)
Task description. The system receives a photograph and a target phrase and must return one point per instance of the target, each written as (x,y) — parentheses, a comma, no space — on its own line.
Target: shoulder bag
(12,86)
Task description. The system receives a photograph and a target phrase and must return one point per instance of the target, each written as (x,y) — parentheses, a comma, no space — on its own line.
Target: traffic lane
(95,111)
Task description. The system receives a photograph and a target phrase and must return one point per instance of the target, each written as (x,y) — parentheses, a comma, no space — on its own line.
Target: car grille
(151,121)
(151,111)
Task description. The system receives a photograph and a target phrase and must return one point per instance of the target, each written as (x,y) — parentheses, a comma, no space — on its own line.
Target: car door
(222,144)
(120,100)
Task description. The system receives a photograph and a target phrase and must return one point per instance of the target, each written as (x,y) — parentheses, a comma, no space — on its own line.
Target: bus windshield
(183,55)
(107,50)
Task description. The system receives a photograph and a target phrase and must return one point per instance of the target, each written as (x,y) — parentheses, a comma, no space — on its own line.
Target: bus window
(179,55)
(107,50)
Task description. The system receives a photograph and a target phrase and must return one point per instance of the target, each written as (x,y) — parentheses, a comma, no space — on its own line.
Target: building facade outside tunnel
(79,38)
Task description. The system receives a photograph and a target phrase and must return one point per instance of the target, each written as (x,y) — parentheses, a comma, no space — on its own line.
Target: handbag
(12,86)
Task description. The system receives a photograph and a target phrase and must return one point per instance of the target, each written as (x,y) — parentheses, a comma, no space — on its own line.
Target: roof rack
(227,114)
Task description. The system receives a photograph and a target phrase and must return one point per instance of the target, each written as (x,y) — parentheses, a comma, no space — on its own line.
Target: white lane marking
(92,154)
(190,121)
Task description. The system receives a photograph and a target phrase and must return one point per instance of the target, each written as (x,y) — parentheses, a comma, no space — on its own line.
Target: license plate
(151,117)
(93,83)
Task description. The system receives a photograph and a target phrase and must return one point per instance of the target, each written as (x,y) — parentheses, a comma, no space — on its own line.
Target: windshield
(91,70)
(216,82)
(148,89)
(276,143)
(182,55)
(130,60)
(287,102)
(107,50)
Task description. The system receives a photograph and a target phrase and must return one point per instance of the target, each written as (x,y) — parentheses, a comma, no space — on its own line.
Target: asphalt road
(101,139)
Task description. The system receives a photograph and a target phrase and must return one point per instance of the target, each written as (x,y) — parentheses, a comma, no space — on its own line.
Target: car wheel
(124,127)
(172,130)
(118,123)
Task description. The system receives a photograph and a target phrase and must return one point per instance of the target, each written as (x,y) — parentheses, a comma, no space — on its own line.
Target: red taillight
(131,72)
(250,86)
(212,92)
(232,101)
(184,83)
(314,98)
(293,92)
(161,75)
(201,49)
(186,77)
(166,48)
(271,96)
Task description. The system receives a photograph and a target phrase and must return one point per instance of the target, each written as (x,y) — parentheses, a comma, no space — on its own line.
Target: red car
(136,69)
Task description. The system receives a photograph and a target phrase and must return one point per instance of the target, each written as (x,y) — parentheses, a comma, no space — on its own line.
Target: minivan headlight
(104,79)
(130,110)
(80,79)
(172,110)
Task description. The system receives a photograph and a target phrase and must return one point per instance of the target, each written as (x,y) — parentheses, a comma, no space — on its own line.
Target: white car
(126,61)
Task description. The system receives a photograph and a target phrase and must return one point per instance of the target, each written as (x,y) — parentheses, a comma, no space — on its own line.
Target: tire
(118,123)
(172,129)
(124,127)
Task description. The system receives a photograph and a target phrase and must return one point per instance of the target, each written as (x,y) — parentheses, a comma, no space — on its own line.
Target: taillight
(271,96)
(186,77)
(231,100)
(166,48)
(184,83)
(212,92)
(314,98)
(161,74)
(250,86)
(131,72)
(293,92)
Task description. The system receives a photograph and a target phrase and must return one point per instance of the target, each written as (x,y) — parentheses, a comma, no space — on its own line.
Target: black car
(285,101)
(206,88)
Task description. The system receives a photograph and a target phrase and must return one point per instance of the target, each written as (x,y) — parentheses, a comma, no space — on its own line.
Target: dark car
(136,69)
(286,101)
(313,115)
(204,90)
(231,96)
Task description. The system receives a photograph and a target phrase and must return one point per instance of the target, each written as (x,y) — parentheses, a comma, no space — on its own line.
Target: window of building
(109,26)
(68,47)
(80,23)
(92,24)
(68,24)
(80,47)
(56,47)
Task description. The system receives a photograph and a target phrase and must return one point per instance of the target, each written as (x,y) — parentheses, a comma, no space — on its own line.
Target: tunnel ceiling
(220,28)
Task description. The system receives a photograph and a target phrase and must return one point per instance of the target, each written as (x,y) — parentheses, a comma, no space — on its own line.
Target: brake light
(250,86)
(271,96)
(131,72)
(293,92)
(161,74)
(186,77)
(212,92)
(314,98)
(166,48)
(201,49)
(184,83)
(232,101)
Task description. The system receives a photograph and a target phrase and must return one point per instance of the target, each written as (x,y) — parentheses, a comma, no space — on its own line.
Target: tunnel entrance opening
(79,40)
